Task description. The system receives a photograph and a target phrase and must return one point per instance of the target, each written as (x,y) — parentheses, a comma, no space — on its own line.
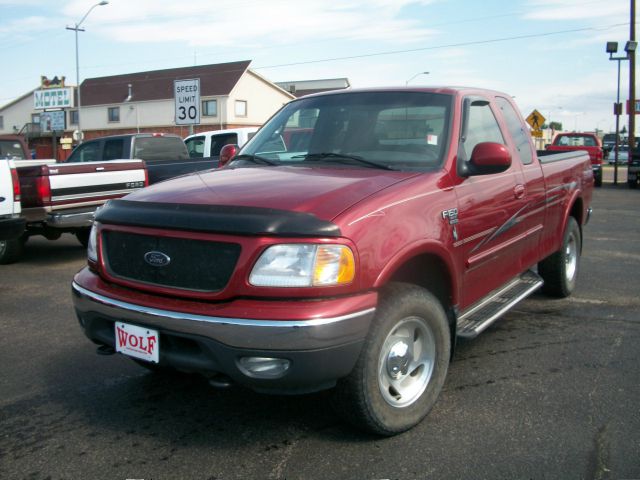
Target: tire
(395,383)
(632,184)
(560,270)
(597,181)
(83,236)
(11,250)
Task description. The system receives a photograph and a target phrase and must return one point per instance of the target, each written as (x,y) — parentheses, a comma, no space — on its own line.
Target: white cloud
(250,23)
(568,10)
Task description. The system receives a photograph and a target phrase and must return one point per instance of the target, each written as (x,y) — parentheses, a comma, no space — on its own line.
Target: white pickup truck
(11,224)
(209,144)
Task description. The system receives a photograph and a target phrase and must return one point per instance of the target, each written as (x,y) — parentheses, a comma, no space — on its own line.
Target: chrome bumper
(234,332)
(70,220)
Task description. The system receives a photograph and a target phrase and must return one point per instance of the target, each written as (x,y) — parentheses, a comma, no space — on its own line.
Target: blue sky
(548,54)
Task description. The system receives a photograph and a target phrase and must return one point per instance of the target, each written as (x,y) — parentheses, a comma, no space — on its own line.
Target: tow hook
(220,381)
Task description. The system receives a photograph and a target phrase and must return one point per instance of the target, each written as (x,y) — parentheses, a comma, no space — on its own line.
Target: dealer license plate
(138,342)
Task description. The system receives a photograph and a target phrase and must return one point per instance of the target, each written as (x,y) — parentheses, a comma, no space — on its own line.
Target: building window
(73,117)
(210,108)
(241,108)
(114,114)
(35,118)
(1,122)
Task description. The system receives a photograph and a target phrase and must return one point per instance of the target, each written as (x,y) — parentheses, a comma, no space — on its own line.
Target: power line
(450,45)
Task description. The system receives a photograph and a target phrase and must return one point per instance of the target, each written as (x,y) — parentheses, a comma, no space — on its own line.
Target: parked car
(12,225)
(165,155)
(609,143)
(568,142)
(209,144)
(63,198)
(623,155)
(352,260)
(57,198)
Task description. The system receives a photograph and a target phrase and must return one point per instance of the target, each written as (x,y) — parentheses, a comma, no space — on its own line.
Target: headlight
(303,265)
(92,249)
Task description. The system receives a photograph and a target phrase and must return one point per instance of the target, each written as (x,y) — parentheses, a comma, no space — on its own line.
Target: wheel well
(577,211)
(429,272)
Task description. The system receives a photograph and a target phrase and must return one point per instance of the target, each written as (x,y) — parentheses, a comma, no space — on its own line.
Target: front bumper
(320,350)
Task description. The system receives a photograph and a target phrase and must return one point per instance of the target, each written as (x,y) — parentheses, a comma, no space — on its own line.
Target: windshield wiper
(255,159)
(340,156)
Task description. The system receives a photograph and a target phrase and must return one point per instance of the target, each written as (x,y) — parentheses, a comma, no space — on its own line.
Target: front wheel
(403,364)
(560,269)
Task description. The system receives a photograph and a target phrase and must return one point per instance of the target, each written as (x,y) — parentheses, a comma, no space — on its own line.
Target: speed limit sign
(187,99)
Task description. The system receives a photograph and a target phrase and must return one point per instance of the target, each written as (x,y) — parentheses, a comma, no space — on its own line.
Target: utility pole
(632,79)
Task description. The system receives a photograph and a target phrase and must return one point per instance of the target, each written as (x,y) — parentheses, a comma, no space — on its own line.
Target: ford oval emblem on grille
(157,259)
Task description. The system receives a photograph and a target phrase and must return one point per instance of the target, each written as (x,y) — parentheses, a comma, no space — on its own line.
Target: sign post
(187,101)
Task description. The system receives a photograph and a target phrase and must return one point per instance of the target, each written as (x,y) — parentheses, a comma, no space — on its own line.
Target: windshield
(396,130)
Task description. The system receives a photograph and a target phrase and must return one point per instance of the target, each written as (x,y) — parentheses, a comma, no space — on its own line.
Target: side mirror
(488,158)
(227,153)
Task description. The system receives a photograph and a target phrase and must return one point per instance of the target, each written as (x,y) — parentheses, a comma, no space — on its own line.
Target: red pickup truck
(352,260)
(589,142)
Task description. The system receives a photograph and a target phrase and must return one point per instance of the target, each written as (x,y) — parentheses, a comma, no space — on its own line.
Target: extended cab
(589,142)
(352,259)
(165,155)
(209,144)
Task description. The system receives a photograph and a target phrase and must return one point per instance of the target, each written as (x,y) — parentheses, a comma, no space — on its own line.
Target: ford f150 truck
(58,198)
(589,142)
(406,218)
(165,155)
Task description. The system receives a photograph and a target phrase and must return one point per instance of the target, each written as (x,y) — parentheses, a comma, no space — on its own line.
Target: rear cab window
(11,150)
(154,148)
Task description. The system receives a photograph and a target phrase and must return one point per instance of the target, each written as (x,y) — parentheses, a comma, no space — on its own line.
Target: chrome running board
(478,317)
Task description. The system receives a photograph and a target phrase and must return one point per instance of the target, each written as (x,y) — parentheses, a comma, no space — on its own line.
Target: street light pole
(629,48)
(77,29)
(416,75)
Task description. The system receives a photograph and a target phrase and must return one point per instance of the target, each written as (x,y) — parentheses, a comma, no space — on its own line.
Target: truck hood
(322,192)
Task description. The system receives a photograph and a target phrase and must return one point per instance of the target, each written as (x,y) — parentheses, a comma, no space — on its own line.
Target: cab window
(86,152)
(516,129)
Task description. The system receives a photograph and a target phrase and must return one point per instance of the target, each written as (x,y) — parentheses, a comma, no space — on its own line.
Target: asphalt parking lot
(550,391)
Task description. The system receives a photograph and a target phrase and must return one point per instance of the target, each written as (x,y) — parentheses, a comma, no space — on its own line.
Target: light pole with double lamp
(78,135)
(629,48)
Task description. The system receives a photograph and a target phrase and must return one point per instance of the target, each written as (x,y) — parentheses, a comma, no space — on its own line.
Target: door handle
(519,191)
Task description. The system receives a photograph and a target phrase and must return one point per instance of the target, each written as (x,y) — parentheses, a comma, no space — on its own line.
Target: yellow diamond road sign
(535,120)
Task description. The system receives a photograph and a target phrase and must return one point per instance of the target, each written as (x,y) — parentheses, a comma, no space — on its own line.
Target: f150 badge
(451,214)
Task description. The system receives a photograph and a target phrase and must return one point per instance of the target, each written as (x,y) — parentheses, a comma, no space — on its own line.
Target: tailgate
(93,183)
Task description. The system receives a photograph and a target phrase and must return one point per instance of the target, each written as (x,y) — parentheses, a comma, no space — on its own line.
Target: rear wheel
(560,270)
(83,236)
(11,250)
(632,183)
(402,366)
(598,180)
